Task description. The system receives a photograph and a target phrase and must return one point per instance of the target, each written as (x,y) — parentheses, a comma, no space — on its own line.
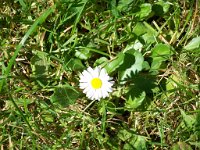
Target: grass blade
(39,21)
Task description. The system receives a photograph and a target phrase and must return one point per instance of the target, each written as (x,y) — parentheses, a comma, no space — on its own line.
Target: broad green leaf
(40,63)
(137,45)
(86,52)
(140,143)
(162,50)
(40,67)
(75,64)
(24,101)
(166,5)
(160,53)
(140,83)
(139,91)
(131,140)
(139,29)
(133,62)
(161,7)
(145,10)
(101,61)
(115,63)
(83,54)
(145,65)
(171,83)
(123,5)
(181,146)
(47,116)
(155,65)
(149,28)
(64,95)
(133,103)
(124,135)
(149,36)
(193,44)
(189,120)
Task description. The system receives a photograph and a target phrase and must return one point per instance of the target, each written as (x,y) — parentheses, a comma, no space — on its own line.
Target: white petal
(93,97)
(83,85)
(85,76)
(94,72)
(90,93)
(109,89)
(104,94)
(103,72)
(106,83)
(104,75)
(86,90)
(91,71)
(98,94)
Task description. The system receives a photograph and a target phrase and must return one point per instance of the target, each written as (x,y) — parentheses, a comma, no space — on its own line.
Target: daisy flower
(96,83)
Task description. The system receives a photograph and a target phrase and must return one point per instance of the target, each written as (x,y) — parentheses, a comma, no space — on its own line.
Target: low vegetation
(151,49)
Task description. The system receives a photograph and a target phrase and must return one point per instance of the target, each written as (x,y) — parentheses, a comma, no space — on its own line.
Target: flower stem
(89,105)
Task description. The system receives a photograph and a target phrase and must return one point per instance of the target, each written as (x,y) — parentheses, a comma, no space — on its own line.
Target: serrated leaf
(64,95)
(193,44)
(114,64)
(133,62)
(134,103)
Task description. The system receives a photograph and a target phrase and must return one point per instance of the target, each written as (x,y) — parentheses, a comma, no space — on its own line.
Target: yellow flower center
(96,83)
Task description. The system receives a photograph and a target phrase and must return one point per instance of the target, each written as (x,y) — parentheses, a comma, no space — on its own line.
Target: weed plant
(151,49)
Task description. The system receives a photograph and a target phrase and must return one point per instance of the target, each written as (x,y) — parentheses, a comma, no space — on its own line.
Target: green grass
(150,48)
